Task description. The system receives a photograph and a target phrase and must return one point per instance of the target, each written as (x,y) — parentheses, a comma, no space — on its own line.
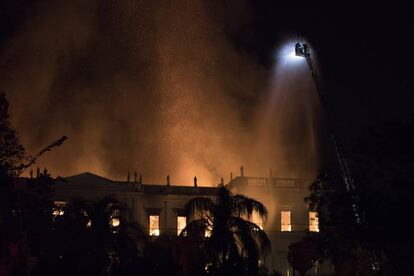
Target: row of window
(285,223)
(154,221)
(154,224)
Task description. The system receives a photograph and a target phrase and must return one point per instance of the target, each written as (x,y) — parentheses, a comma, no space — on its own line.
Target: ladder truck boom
(303,50)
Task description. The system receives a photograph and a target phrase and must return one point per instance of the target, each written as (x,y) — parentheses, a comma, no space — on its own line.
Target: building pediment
(91,182)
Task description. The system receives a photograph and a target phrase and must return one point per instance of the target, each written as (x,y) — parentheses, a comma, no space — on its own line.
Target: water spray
(303,51)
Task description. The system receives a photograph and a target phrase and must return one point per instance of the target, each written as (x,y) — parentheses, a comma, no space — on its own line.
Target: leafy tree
(381,159)
(92,238)
(235,244)
(25,203)
(160,258)
(302,255)
(339,234)
(182,248)
(12,153)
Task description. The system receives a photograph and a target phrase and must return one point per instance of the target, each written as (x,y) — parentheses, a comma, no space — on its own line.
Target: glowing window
(115,222)
(285,221)
(154,225)
(207,232)
(313,222)
(58,209)
(181,224)
(256,219)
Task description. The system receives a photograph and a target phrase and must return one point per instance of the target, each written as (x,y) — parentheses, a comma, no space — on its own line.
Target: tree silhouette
(25,203)
(234,245)
(382,162)
(302,255)
(86,241)
(11,155)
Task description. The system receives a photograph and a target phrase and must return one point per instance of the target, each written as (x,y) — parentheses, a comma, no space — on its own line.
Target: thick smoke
(156,88)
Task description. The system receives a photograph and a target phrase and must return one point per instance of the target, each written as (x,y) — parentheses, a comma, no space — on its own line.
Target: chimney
(135,176)
(222,182)
(128,176)
(231,176)
(195,182)
(241,171)
(140,179)
(31,173)
(168,180)
(37,172)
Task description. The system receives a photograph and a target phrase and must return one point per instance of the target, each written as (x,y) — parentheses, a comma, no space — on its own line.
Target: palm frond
(195,228)
(249,248)
(246,206)
(244,228)
(233,240)
(200,204)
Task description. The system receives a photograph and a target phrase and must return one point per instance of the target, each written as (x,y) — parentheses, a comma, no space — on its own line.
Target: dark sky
(77,58)
(361,47)
(363,50)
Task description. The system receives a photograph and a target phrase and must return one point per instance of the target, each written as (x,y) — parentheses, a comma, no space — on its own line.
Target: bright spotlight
(293,56)
(288,54)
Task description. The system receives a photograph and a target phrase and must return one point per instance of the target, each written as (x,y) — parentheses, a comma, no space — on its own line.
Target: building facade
(289,217)
(159,209)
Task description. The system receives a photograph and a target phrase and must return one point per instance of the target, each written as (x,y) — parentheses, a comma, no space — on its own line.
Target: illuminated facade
(157,208)
(289,216)
(160,208)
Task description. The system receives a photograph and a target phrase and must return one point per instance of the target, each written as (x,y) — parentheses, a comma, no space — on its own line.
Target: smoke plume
(155,87)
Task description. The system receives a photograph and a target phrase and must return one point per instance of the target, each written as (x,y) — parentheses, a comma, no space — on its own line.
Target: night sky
(362,50)
(108,75)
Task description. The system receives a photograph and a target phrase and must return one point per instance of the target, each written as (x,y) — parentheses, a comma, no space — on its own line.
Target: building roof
(89,181)
(180,190)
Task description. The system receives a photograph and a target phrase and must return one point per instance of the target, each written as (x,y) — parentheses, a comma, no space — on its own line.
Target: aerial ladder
(302,50)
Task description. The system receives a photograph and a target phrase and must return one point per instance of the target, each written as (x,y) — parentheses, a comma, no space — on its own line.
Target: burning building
(160,208)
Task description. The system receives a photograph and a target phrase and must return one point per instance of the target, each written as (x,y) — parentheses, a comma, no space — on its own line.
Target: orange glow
(154,225)
(207,232)
(313,222)
(256,219)
(58,209)
(115,222)
(181,224)
(285,221)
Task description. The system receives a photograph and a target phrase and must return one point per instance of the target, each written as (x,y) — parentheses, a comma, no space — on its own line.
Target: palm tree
(232,242)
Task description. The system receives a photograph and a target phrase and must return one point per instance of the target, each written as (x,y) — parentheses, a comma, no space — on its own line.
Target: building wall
(169,206)
(281,194)
(168,201)
(141,200)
